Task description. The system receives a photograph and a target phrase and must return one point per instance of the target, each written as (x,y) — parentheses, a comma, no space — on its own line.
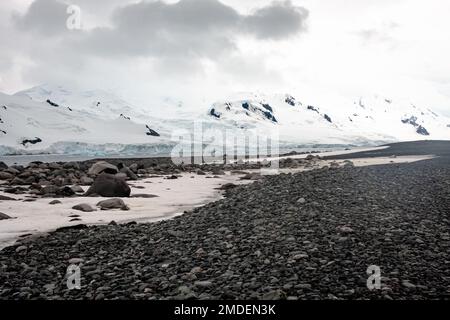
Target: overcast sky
(202,49)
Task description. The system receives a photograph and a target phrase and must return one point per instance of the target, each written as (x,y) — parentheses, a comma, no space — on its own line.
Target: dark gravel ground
(304,236)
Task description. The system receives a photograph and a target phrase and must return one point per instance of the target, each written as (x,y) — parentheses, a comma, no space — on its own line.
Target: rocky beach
(308,233)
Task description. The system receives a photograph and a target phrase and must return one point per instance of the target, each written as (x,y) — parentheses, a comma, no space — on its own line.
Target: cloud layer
(187,28)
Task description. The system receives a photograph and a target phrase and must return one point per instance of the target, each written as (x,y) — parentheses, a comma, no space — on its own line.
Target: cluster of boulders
(309,162)
(109,204)
(66,179)
(108,178)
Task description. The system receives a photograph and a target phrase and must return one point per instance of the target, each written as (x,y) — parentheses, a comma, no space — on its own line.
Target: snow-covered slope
(59,122)
(53,119)
(365,121)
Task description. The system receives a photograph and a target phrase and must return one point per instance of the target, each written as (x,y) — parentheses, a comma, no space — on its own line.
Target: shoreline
(305,234)
(172,197)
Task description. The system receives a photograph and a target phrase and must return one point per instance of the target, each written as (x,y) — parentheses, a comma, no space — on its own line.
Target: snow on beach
(173,198)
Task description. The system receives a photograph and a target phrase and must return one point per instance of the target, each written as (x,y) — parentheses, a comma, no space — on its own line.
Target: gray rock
(3,165)
(113,204)
(203,284)
(49,190)
(6,175)
(71,165)
(12,171)
(77,189)
(107,185)
(130,174)
(21,249)
(5,198)
(86,181)
(102,167)
(84,207)
(408,284)
(274,295)
(18,182)
(4,216)
(144,196)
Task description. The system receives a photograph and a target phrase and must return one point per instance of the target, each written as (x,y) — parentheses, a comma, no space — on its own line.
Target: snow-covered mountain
(364,121)
(54,119)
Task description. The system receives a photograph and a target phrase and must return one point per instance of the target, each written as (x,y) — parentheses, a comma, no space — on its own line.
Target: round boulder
(107,185)
(113,204)
(84,207)
(102,167)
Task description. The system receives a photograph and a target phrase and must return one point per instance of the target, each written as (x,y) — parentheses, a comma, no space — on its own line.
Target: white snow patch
(174,197)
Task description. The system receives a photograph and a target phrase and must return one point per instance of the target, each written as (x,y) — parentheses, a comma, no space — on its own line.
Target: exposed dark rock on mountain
(3,131)
(412,121)
(270,116)
(422,131)
(3,165)
(125,117)
(31,141)
(419,128)
(213,113)
(4,108)
(53,104)
(290,100)
(265,111)
(326,117)
(267,107)
(361,104)
(313,109)
(152,132)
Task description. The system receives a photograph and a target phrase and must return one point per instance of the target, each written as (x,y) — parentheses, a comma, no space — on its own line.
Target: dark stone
(107,185)
(144,196)
(130,174)
(84,207)
(102,167)
(113,204)
(5,198)
(4,216)
(76,227)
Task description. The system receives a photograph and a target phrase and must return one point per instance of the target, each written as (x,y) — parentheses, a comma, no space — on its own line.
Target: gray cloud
(47,17)
(277,21)
(182,41)
(188,28)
